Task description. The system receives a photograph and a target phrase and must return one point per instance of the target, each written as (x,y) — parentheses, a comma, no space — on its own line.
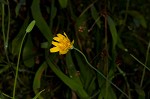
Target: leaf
(87,75)
(113,31)
(121,45)
(68,81)
(17,9)
(30,26)
(17,40)
(40,22)
(45,45)
(53,13)
(19,4)
(4,68)
(63,3)
(82,25)
(95,16)
(110,94)
(139,91)
(71,69)
(28,52)
(3,2)
(37,78)
(72,12)
(138,16)
(38,94)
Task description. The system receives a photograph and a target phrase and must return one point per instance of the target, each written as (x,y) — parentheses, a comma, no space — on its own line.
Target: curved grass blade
(73,84)
(38,94)
(113,31)
(17,40)
(63,3)
(37,78)
(40,22)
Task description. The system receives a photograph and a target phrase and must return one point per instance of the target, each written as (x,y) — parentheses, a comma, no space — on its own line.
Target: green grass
(110,59)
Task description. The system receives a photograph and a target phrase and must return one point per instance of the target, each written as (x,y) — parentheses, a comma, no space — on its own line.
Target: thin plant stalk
(29,28)
(106,48)
(143,74)
(6,95)
(139,61)
(100,72)
(5,36)
(17,68)
(125,18)
(3,18)
(125,78)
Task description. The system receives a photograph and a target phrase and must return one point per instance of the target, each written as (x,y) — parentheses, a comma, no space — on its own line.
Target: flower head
(61,44)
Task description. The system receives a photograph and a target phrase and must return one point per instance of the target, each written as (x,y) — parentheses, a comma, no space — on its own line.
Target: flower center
(64,44)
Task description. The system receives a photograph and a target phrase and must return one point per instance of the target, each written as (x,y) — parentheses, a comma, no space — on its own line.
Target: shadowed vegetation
(114,36)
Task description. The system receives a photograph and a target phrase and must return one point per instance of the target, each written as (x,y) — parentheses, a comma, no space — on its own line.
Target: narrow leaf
(71,69)
(139,17)
(40,22)
(28,52)
(87,75)
(38,94)
(68,81)
(17,40)
(30,26)
(63,3)
(37,78)
(95,16)
(113,31)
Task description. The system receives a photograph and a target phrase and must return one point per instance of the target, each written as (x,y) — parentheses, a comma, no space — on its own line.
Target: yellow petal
(60,36)
(63,52)
(54,49)
(71,47)
(65,35)
(55,43)
(72,42)
(57,39)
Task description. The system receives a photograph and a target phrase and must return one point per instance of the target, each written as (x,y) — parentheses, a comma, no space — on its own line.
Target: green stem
(100,72)
(29,28)
(3,18)
(139,62)
(6,95)
(126,14)
(17,68)
(124,75)
(88,8)
(143,74)
(7,35)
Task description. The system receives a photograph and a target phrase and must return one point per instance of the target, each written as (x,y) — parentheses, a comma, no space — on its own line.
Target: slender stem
(17,68)
(3,18)
(88,7)
(124,75)
(106,47)
(139,62)
(143,74)
(8,26)
(126,14)
(100,72)
(6,95)
(7,35)
(91,28)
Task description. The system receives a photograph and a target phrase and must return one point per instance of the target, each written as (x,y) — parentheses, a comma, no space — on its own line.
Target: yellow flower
(61,44)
